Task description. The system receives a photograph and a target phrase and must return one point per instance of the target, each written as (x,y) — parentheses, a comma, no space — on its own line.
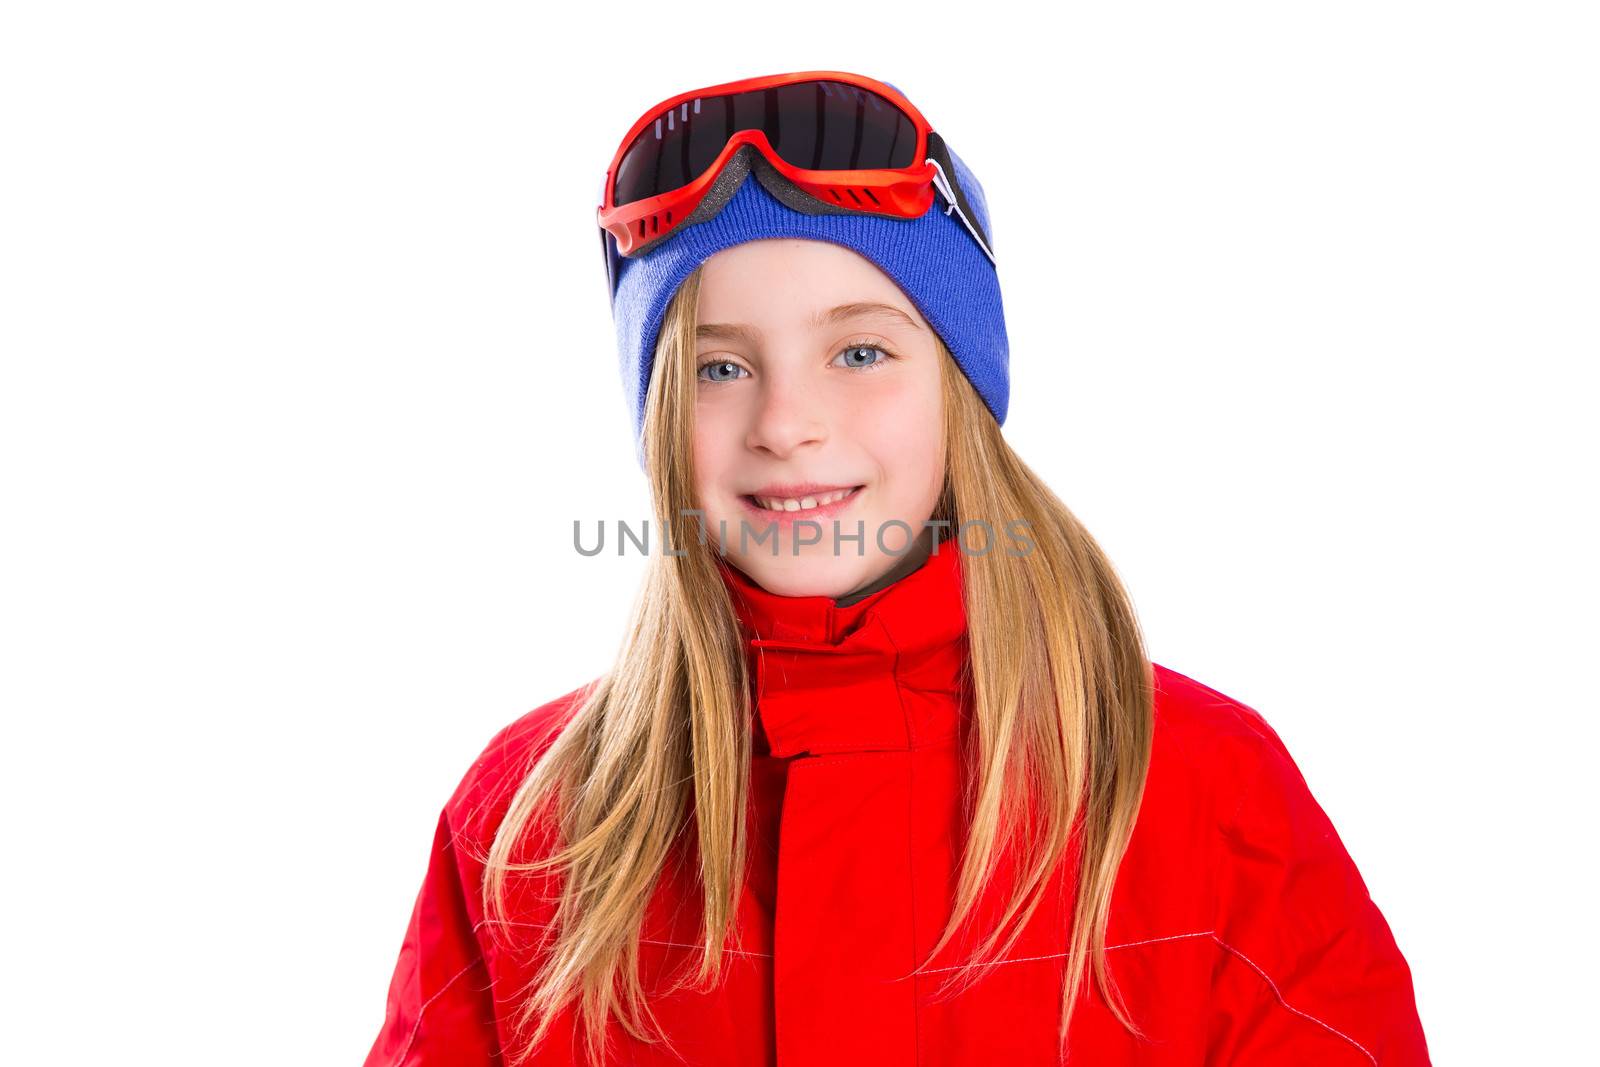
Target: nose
(790,416)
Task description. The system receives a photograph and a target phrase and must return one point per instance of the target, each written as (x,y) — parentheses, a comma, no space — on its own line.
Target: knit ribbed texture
(933,259)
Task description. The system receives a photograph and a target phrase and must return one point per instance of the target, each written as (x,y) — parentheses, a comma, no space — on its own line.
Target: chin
(803,575)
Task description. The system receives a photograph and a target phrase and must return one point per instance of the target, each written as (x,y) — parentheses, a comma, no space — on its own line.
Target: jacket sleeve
(1308,971)
(440,1008)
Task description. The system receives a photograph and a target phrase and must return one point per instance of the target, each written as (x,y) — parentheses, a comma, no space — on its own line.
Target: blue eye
(718,365)
(854,349)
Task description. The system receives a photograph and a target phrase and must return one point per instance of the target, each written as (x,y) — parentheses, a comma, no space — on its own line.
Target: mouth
(815,504)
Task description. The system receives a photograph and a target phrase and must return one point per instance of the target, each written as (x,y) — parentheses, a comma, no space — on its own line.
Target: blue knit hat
(934,259)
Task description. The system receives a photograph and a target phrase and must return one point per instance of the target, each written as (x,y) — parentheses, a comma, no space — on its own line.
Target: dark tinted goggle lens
(816,125)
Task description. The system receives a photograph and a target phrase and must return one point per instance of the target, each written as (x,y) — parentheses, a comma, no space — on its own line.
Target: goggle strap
(942,183)
(939,155)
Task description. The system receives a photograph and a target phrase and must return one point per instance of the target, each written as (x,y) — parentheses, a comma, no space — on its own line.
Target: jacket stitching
(478,958)
(726,951)
(1247,794)
(417,1026)
(936,970)
(1276,993)
(1109,948)
(1212,934)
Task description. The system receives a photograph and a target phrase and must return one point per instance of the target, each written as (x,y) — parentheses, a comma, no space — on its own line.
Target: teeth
(772,503)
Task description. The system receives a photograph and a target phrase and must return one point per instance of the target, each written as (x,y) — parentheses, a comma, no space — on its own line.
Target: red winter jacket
(1240,929)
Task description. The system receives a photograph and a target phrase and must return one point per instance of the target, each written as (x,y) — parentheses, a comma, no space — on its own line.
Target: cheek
(906,440)
(706,469)
(714,446)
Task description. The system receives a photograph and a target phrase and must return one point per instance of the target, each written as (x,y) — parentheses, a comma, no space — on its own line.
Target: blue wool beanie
(934,260)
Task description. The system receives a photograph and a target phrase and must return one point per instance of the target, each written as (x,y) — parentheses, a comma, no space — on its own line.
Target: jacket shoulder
(1227,744)
(1197,714)
(487,787)
(1261,814)
(440,1006)
(1310,963)
(1263,798)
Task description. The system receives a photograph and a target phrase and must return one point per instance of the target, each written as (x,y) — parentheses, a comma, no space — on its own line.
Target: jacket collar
(882,673)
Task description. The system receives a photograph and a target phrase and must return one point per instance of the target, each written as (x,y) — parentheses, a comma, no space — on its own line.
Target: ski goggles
(838,142)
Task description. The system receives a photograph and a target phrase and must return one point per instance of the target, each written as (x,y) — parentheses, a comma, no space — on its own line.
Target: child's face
(850,403)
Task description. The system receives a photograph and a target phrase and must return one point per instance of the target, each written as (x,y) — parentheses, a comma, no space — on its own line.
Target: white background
(308,370)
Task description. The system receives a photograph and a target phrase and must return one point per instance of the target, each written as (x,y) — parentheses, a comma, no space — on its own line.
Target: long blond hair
(660,747)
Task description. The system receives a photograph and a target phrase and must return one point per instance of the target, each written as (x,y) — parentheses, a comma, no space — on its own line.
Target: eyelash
(861,343)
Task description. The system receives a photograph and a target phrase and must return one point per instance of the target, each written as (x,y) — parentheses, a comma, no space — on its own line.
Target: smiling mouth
(801,505)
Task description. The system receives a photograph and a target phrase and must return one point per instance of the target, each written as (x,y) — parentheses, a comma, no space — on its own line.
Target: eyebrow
(861,309)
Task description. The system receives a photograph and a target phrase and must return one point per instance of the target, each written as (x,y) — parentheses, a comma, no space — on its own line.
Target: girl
(882,774)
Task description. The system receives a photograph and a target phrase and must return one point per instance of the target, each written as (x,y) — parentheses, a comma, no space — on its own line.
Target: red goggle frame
(672,156)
